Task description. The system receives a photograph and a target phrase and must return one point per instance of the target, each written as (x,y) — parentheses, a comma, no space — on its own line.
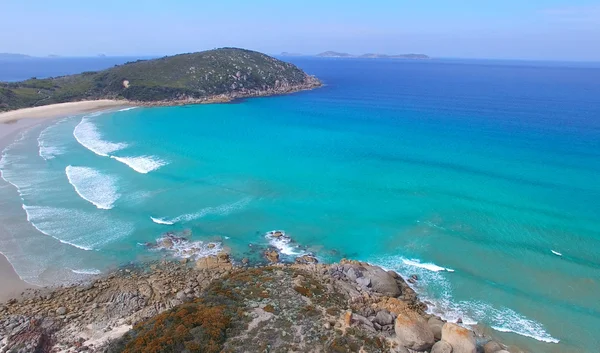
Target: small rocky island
(218,75)
(217,304)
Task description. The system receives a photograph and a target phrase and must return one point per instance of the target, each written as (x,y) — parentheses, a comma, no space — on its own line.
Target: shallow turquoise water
(467,173)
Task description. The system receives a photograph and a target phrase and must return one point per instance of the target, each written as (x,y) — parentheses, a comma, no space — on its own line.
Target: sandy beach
(13,122)
(61,109)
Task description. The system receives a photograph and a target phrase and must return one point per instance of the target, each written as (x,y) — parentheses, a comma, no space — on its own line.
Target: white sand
(61,109)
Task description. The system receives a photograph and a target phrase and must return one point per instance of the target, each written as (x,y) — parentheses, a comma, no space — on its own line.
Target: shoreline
(354,299)
(88,106)
(13,286)
(58,110)
(15,121)
(11,124)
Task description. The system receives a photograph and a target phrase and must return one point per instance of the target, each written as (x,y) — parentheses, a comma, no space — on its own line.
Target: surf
(88,135)
(93,186)
(222,210)
(141,164)
(161,221)
(434,286)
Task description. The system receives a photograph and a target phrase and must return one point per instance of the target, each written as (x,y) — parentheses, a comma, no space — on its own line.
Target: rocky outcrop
(306,260)
(492,347)
(367,276)
(435,325)
(220,261)
(441,347)
(412,331)
(342,307)
(272,256)
(461,339)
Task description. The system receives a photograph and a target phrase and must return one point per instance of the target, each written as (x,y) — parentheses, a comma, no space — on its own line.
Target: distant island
(217,75)
(13,56)
(334,54)
(285,53)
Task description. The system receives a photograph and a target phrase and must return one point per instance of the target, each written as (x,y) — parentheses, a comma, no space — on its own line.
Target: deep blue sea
(481,177)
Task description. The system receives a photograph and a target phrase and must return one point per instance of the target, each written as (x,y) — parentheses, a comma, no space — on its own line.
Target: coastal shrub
(192,327)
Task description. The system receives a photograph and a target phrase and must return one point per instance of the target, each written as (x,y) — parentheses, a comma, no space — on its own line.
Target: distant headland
(218,75)
(334,54)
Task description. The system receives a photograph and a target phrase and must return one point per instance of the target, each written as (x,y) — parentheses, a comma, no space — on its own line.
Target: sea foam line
(434,279)
(141,164)
(222,210)
(161,221)
(126,109)
(93,186)
(88,135)
(91,271)
(427,266)
(27,208)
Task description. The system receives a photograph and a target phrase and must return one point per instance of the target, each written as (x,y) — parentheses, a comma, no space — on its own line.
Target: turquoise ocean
(481,177)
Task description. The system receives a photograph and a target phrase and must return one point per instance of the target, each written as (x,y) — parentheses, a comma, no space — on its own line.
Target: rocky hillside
(219,74)
(212,306)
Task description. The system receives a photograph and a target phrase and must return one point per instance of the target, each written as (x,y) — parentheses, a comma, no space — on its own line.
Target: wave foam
(556,253)
(87,134)
(91,271)
(126,109)
(180,246)
(93,186)
(280,240)
(161,221)
(80,229)
(222,210)
(427,266)
(49,144)
(433,286)
(142,164)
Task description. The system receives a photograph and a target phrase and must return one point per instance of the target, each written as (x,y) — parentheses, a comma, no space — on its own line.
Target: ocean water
(481,177)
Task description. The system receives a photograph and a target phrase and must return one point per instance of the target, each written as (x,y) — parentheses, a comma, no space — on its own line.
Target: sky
(565,30)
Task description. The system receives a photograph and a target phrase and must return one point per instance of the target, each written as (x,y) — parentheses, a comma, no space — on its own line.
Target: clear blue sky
(519,29)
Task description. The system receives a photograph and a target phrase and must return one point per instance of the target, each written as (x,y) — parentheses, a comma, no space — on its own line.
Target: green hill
(219,74)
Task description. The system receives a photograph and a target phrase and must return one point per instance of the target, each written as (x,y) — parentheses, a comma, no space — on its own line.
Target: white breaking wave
(556,253)
(427,266)
(29,209)
(126,109)
(93,186)
(91,271)
(161,221)
(282,242)
(142,164)
(83,230)
(49,145)
(87,134)
(434,279)
(222,210)
(181,247)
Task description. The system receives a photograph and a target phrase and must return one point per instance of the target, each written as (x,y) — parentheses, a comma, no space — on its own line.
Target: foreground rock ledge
(212,306)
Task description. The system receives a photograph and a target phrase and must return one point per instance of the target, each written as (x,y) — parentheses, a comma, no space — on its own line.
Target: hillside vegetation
(186,77)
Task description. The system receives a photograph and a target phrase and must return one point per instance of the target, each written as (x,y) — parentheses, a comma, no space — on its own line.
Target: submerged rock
(306,260)
(272,256)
